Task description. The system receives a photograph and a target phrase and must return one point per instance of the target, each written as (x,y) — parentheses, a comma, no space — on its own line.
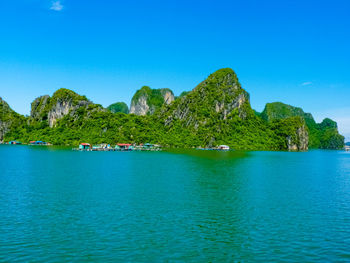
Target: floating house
(14,142)
(347,148)
(123,147)
(84,146)
(148,146)
(223,147)
(102,147)
(38,143)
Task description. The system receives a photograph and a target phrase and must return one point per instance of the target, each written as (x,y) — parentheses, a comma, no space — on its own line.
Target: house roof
(85,144)
(123,144)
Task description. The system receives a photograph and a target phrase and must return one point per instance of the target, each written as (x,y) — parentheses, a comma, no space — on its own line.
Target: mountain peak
(146,100)
(218,97)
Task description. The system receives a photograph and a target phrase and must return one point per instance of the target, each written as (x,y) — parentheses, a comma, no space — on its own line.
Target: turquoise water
(195,206)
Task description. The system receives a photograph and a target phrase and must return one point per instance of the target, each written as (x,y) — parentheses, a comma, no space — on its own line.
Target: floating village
(104,147)
(30,143)
(123,147)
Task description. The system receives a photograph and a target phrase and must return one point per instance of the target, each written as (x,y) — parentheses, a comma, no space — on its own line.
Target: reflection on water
(60,205)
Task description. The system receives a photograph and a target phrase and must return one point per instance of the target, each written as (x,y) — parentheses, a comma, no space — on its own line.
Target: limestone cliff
(39,108)
(5,121)
(62,103)
(220,97)
(321,135)
(10,121)
(300,141)
(146,100)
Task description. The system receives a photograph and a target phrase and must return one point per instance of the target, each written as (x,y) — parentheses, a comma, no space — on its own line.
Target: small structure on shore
(148,146)
(123,147)
(218,148)
(15,142)
(84,146)
(102,147)
(223,148)
(347,148)
(38,143)
(118,147)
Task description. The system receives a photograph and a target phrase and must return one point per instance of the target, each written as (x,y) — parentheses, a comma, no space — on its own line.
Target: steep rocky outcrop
(321,135)
(5,121)
(220,97)
(39,108)
(62,103)
(301,140)
(146,100)
(10,121)
(215,112)
(279,110)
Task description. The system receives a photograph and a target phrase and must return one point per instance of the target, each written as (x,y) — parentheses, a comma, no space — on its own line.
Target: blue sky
(296,52)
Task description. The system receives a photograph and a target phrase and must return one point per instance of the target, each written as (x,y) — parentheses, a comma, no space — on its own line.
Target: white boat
(223,147)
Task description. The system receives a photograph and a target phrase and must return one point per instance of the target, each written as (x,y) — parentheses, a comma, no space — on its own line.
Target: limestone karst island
(216,112)
(174,131)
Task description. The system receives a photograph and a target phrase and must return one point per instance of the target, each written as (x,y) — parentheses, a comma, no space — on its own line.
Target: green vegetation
(155,98)
(322,135)
(216,112)
(183,94)
(12,124)
(118,107)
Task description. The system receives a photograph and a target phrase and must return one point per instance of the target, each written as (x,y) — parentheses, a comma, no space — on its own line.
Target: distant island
(216,112)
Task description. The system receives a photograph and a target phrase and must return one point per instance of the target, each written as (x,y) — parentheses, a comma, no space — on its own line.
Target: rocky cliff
(279,110)
(146,100)
(215,112)
(291,133)
(321,135)
(301,142)
(10,121)
(218,111)
(219,97)
(5,121)
(39,108)
(62,103)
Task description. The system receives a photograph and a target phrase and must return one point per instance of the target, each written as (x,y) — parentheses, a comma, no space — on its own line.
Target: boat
(223,148)
(14,143)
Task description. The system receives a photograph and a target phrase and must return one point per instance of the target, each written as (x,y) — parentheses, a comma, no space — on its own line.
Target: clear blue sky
(297,52)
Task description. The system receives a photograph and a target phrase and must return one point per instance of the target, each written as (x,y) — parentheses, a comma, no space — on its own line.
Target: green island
(215,112)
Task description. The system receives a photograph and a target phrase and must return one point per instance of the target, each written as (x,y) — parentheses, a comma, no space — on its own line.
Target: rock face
(39,108)
(301,141)
(9,120)
(146,100)
(64,107)
(279,110)
(62,103)
(215,112)
(5,122)
(323,135)
(140,106)
(220,96)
